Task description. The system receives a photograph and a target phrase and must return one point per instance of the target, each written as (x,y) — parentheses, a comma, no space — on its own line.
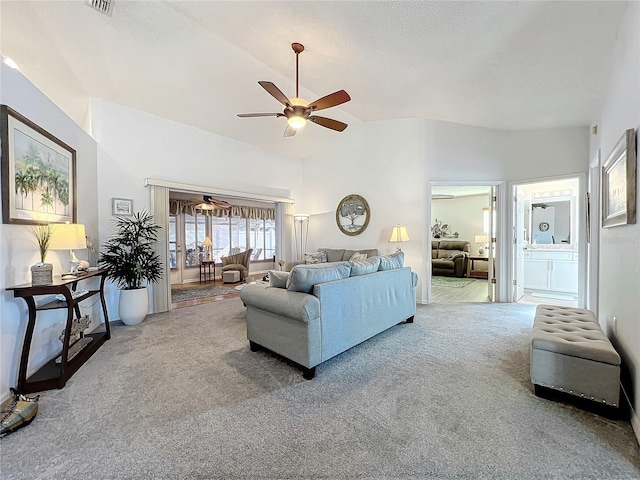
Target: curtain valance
(185,206)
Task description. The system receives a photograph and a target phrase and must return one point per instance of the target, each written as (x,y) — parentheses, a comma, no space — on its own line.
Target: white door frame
(499,251)
(582,245)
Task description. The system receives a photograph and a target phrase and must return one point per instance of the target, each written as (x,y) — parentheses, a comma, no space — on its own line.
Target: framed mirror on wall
(551,221)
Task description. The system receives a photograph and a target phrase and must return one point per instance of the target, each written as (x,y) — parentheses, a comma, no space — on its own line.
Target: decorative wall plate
(352,214)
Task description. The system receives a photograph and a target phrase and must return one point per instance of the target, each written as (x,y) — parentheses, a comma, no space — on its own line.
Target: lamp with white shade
(69,236)
(398,235)
(482,240)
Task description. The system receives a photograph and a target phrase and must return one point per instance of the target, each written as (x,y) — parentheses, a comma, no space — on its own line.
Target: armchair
(239,261)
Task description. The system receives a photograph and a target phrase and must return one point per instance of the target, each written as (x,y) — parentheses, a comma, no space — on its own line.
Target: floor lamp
(301,233)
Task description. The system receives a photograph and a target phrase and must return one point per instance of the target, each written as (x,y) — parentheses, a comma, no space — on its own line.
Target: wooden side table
(472,272)
(53,374)
(205,270)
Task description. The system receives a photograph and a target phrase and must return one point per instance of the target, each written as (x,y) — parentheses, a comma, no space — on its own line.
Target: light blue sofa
(343,307)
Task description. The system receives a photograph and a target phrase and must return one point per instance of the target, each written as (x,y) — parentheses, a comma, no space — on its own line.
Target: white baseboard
(635,420)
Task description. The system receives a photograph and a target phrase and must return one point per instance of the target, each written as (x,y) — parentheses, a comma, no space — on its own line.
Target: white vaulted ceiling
(506,65)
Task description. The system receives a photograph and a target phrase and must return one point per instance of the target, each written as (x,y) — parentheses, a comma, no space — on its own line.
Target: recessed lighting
(10,62)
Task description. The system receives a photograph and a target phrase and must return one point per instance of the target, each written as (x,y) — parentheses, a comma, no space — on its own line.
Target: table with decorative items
(205,270)
(77,347)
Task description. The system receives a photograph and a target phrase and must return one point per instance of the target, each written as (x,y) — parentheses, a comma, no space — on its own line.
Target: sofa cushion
(391,261)
(358,256)
(443,263)
(303,278)
(333,254)
(278,279)
(363,267)
(316,257)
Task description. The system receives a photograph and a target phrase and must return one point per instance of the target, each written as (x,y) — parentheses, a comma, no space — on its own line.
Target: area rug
(453,282)
(182,294)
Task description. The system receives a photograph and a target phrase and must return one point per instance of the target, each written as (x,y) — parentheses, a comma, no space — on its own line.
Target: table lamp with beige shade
(207,243)
(398,235)
(69,236)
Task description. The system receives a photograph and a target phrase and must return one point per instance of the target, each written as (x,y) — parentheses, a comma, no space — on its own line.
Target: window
(220,236)
(229,235)
(262,239)
(194,233)
(173,235)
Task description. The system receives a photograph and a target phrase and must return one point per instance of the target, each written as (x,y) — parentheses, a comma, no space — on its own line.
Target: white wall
(390,163)
(133,146)
(17,248)
(619,282)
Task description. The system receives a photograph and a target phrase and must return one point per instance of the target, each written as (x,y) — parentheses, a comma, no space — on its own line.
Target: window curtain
(159,207)
(185,206)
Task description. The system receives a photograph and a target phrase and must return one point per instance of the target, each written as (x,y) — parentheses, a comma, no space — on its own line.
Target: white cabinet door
(536,274)
(564,276)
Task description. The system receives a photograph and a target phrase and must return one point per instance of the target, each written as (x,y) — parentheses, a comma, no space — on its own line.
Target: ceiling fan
(297,110)
(210,203)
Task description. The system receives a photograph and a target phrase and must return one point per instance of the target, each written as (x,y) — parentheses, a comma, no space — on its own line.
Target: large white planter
(133,305)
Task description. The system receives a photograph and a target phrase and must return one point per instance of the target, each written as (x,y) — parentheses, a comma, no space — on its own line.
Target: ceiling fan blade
(275,92)
(331,100)
(244,115)
(289,132)
(329,123)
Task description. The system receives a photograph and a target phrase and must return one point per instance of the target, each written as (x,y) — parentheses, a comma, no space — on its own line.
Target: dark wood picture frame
(619,183)
(39,165)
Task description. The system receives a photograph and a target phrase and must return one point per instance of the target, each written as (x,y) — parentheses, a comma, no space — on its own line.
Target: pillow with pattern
(317,257)
(358,257)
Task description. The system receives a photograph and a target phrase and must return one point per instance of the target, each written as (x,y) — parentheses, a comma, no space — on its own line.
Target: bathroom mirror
(551,221)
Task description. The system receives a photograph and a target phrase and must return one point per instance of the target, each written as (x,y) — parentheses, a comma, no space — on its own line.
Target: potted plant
(132,263)
(41,272)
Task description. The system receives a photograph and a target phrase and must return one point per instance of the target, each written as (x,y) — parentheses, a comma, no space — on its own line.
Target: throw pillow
(358,256)
(394,260)
(303,278)
(317,257)
(363,267)
(278,279)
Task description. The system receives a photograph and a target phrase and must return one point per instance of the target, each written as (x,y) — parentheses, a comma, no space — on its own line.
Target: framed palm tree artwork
(38,173)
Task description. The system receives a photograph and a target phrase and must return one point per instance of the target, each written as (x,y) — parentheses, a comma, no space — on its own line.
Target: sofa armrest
(460,263)
(294,305)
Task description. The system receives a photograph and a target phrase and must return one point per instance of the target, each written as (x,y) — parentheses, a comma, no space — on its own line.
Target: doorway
(548,245)
(463,225)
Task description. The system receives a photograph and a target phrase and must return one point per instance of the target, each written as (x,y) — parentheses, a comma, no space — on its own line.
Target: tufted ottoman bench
(571,354)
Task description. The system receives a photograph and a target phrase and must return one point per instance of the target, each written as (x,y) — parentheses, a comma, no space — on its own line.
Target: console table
(52,374)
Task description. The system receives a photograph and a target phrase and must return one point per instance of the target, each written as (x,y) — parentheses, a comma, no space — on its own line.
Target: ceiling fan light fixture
(296,121)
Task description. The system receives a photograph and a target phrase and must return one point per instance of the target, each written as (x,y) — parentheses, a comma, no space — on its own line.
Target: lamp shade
(207,241)
(481,238)
(399,234)
(68,236)
(301,217)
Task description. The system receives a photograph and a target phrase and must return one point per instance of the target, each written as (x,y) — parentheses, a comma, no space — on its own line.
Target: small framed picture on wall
(121,206)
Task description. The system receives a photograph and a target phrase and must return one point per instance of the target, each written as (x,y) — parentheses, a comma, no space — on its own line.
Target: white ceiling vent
(103,6)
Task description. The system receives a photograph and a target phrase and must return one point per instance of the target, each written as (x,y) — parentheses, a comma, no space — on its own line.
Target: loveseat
(450,258)
(315,312)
